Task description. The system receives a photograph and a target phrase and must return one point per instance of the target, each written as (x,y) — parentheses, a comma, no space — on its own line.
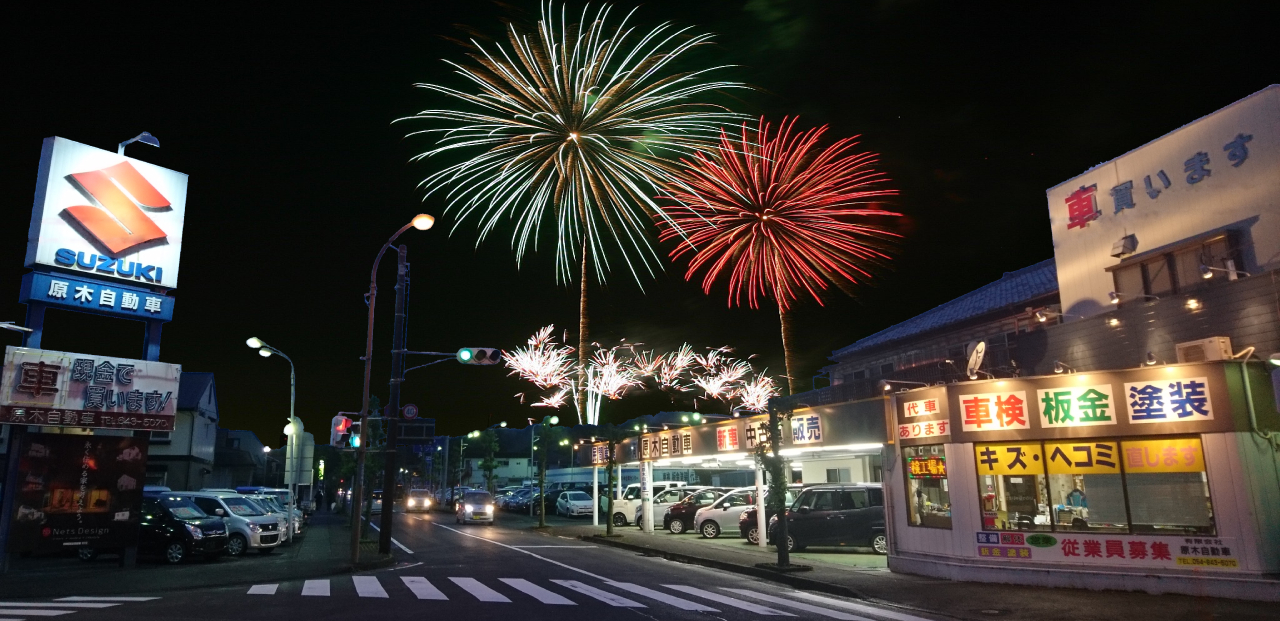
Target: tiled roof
(1012,289)
(191,387)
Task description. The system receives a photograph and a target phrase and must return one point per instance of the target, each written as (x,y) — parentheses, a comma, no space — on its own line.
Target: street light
(144,138)
(266,351)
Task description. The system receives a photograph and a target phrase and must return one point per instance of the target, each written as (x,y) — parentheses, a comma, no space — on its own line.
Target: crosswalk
(23,611)
(563,592)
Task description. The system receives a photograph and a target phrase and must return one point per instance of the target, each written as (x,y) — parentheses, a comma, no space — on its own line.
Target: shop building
(183,459)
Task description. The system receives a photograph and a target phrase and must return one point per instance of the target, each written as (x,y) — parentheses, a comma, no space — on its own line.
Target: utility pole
(397,377)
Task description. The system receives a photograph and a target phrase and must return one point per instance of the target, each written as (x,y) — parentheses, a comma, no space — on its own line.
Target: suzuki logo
(119,224)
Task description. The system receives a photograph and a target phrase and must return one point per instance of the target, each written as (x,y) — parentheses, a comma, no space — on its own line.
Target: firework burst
(755,394)
(543,361)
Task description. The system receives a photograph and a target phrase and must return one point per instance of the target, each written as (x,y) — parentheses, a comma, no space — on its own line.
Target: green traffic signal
(479,355)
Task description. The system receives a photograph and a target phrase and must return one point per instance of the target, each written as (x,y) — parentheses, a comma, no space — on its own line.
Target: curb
(793,580)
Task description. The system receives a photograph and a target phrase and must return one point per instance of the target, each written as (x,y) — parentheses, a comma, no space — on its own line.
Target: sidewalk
(322,550)
(865,576)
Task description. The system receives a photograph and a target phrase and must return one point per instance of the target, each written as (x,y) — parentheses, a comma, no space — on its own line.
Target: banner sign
(727,438)
(1107,550)
(78,490)
(59,389)
(95,296)
(106,214)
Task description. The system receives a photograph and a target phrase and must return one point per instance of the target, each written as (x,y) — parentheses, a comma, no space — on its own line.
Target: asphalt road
(480,572)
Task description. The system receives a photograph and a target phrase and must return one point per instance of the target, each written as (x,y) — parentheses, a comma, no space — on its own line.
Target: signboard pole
(10,496)
(646,491)
(595,495)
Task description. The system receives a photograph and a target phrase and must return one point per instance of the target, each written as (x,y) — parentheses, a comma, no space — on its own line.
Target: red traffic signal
(341,426)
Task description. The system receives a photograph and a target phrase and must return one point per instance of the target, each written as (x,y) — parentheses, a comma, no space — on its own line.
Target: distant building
(240,460)
(183,459)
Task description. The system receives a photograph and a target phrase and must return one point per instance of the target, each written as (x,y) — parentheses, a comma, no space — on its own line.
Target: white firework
(754,395)
(543,361)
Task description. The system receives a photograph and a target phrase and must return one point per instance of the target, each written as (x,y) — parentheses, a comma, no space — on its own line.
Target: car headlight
(411,502)
(772,520)
(468,508)
(195,532)
(254,528)
(426,503)
(488,508)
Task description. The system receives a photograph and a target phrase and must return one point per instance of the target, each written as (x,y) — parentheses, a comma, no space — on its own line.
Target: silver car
(248,525)
(476,506)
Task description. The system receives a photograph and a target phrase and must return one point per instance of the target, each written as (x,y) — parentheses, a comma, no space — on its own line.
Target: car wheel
(710,529)
(677,526)
(753,536)
(619,519)
(792,546)
(87,554)
(266,550)
(640,523)
(880,544)
(237,544)
(174,553)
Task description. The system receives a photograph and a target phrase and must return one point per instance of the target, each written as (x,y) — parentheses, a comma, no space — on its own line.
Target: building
(183,459)
(510,471)
(239,459)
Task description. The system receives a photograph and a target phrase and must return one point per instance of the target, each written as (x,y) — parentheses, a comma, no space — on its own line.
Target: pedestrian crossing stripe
(21,611)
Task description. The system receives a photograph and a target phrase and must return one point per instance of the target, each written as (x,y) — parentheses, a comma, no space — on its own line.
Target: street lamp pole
(292,447)
(421,222)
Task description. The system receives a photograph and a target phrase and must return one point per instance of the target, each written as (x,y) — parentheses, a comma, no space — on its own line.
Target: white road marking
(537,592)
(480,591)
(37,612)
(393,539)
(570,547)
(863,608)
(104,599)
(604,596)
(728,601)
(316,587)
(844,616)
(672,600)
(368,586)
(422,588)
(569,567)
(4,605)
(263,589)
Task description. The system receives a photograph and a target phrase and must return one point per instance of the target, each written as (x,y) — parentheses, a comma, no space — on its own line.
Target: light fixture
(144,138)
(264,352)
(1058,367)
(1193,304)
(1041,317)
(555,420)
(684,418)
(1275,359)
(1113,322)
(1205,272)
(502,424)
(423,221)
(288,429)
(253,342)
(1151,359)
(887,385)
(1115,297)
(266,449)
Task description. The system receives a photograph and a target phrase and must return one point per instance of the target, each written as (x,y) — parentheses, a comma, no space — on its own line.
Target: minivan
(840,514)
(248,525)
(631,499)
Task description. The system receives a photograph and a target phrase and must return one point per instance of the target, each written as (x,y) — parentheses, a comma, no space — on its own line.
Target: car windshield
(577,496)
(418,493)
(477,497)
(183,509)
(268,503)
(243,507)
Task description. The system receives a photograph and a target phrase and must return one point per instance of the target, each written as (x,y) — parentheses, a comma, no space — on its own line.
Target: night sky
(283,120)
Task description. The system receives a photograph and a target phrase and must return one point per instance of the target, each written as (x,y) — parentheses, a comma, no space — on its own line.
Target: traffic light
(479,355)
(355,434)
(340,427)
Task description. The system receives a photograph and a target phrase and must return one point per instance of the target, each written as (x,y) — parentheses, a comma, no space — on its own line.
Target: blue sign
(993,538)
(95,296)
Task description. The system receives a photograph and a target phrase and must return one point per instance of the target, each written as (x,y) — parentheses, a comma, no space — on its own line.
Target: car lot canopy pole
(646,498)
(595,495)
(762,522)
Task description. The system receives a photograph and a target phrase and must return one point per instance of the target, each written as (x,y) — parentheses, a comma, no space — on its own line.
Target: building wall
(815,472)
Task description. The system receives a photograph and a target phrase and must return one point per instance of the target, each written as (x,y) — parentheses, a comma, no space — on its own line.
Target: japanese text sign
(1169,401)
(994,411)
(756,432)
(59,389)
(1080,406)
(932,467)
(599,453)
(1164,455)
(1106,550)
(666,445)
(926,407)
(1094,457)
(932,429)
(107,214)
(727,438)
(95,296)
(806,429)
(1011,459)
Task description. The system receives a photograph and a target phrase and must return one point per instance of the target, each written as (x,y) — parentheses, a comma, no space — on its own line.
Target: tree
(488,444)
(613,435)
(547,438)
(776,498)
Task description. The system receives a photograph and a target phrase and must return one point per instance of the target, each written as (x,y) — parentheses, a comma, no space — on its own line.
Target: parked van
(838,514)
(248,525)
(631,499)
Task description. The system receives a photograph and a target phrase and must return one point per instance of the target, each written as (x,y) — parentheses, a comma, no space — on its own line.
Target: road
(481,572)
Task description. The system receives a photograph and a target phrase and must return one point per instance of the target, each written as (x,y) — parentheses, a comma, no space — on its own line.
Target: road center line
(510,547)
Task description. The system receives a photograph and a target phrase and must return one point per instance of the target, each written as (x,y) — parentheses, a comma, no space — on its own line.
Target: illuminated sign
(727,438)
(925,407)
(104,214)
(933,467)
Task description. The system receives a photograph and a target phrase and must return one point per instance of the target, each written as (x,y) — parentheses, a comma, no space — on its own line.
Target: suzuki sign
(108,215)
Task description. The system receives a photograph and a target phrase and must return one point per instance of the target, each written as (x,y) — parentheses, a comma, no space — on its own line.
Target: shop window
(927,490)
(1167,486)
(1012,486)
(1085,486)
(886,368)
(860,374)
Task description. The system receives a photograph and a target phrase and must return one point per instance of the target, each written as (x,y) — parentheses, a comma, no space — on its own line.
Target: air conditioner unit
(1205,350)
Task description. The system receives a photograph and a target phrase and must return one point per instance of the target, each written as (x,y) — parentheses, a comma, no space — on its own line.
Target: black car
(838,514)
(679,517)
(174,528)
(747,521)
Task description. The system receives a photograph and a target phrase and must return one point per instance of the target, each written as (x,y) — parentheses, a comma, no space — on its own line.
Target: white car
(631,499)
(573,502)
(712,519)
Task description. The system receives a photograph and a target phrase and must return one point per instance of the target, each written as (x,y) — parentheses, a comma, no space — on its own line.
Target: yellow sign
(1012,459)
(1164,455)
(1094,457)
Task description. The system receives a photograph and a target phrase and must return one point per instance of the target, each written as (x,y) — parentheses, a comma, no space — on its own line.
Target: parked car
(836,514)
(712,519)
(662,501)
(519,500)
(747,527)
(475,506)
(449,498)
(419,500)
(573,502)
(272,506)
(248,525)
(679,517)
(626,506)
(375,501)
(176,529)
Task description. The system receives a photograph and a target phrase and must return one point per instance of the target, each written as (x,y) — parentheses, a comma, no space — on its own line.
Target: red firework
(778,213)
